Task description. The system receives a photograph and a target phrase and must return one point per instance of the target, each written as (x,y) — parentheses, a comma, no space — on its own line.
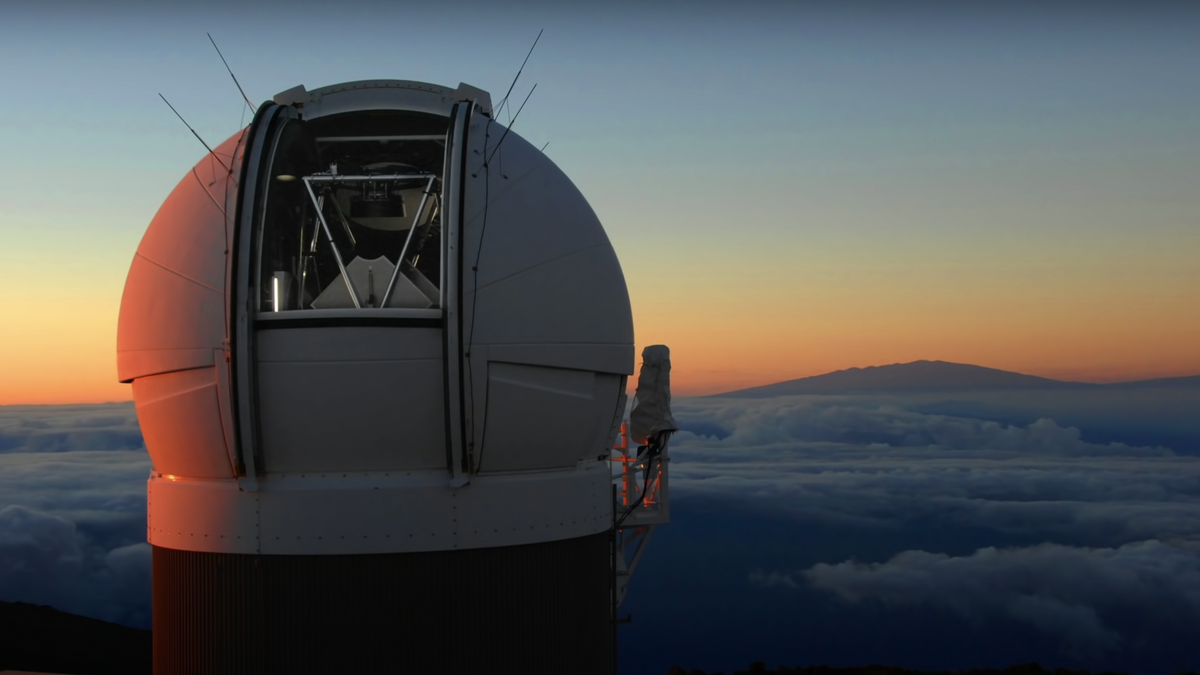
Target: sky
(792,188)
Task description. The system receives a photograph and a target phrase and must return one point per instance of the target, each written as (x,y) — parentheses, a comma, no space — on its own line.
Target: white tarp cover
(651,411)
(371,275)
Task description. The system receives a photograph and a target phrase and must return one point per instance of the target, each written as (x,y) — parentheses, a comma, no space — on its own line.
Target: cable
(487,184)
(509,127)
(654,450)
(487,181)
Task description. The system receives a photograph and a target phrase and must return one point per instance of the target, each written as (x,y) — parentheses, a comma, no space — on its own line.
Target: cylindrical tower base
(531,609)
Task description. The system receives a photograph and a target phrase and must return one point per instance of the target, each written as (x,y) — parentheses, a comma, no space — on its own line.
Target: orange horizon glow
(64,350)
(713,361)
(684,382)
(697,370)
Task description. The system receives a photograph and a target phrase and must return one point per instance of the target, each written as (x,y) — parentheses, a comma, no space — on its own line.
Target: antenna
(230,70)
(210,150)
(509,127)
(519,71)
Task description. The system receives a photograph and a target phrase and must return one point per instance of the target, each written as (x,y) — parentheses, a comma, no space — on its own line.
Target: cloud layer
(69,428)
(1062,591)
(884,467)
(73,510)
(1096,545)
(1113,530)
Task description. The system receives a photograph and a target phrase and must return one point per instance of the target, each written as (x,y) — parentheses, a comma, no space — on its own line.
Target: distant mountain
(43,639)
(915,377)
(937,376)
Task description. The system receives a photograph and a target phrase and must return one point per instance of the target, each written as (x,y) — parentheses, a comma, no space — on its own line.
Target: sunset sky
(792,189)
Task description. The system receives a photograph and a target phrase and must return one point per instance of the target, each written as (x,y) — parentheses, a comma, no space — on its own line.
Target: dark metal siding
(538,608)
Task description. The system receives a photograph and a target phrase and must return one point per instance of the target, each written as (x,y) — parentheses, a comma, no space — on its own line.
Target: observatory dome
(375,320)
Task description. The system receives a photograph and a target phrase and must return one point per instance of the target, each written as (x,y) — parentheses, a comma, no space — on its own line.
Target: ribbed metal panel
(538,608)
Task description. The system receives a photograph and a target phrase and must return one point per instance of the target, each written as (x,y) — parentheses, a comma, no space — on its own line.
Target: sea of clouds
(796,520)
(73,510)
(1007,529)
(886,467)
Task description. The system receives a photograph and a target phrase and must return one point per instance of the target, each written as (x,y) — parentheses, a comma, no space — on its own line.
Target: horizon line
(723,389)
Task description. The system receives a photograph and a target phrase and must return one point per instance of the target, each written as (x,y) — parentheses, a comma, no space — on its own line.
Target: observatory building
(379,347)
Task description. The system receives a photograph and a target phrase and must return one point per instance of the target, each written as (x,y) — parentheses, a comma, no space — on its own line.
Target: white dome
(348,332)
